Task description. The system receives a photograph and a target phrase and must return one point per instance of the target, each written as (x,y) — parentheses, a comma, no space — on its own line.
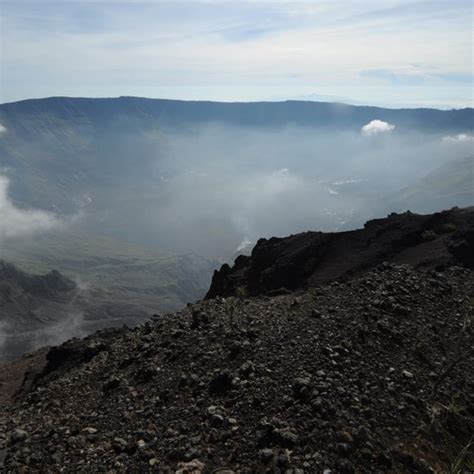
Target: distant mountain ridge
(173,112)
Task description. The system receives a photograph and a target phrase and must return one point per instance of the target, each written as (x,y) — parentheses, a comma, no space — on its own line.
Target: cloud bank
(207,189)
(459,138)
(375,127)
(3,129)
(16,222)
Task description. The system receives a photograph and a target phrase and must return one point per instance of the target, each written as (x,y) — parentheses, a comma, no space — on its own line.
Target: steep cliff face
(314,258)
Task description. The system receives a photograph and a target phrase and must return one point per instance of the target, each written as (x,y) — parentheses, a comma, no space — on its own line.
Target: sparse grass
(232,303)
(448,227)
(230,307)
(428,235)
(464,461)
(241,292)
(451,422)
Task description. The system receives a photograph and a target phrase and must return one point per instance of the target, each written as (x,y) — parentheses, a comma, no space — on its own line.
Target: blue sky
(394,53)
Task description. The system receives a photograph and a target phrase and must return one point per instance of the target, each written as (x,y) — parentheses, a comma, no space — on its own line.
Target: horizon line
(347,104)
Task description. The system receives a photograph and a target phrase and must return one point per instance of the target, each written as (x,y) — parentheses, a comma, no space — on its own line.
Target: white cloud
(377,126)
(211,51)
(15,222)
(3,129)
(459,138)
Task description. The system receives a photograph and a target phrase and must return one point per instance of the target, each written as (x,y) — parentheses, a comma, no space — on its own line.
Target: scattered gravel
(371,375)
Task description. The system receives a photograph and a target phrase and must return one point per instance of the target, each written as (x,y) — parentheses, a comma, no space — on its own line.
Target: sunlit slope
(451,185)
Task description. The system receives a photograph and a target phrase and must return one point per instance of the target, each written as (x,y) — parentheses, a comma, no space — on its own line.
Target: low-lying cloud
(71,325)
(15,222)
(377,126)
(219,186)
(209,189)
(459,138)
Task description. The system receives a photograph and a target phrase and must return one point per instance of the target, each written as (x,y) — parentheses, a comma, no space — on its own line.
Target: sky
(394,53)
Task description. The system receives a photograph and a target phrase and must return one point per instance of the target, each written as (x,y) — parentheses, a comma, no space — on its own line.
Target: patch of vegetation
(428,234)
(232,303)
(448,227)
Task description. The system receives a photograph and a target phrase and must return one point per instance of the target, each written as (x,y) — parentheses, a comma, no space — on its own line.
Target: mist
(72,325)
(209,189)
(14,342)
(15,222)
(34,315)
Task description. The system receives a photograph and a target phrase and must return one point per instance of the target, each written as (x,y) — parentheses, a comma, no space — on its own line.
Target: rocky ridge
(310,259)
(16,284)
(374,374)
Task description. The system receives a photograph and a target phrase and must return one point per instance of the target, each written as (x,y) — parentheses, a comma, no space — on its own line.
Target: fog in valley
(210,189)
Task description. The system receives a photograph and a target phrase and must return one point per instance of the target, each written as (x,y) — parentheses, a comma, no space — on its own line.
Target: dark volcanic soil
(372,375)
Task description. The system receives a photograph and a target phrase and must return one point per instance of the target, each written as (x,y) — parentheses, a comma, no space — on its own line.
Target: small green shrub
(448,227)
(428,235)
(241,292)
